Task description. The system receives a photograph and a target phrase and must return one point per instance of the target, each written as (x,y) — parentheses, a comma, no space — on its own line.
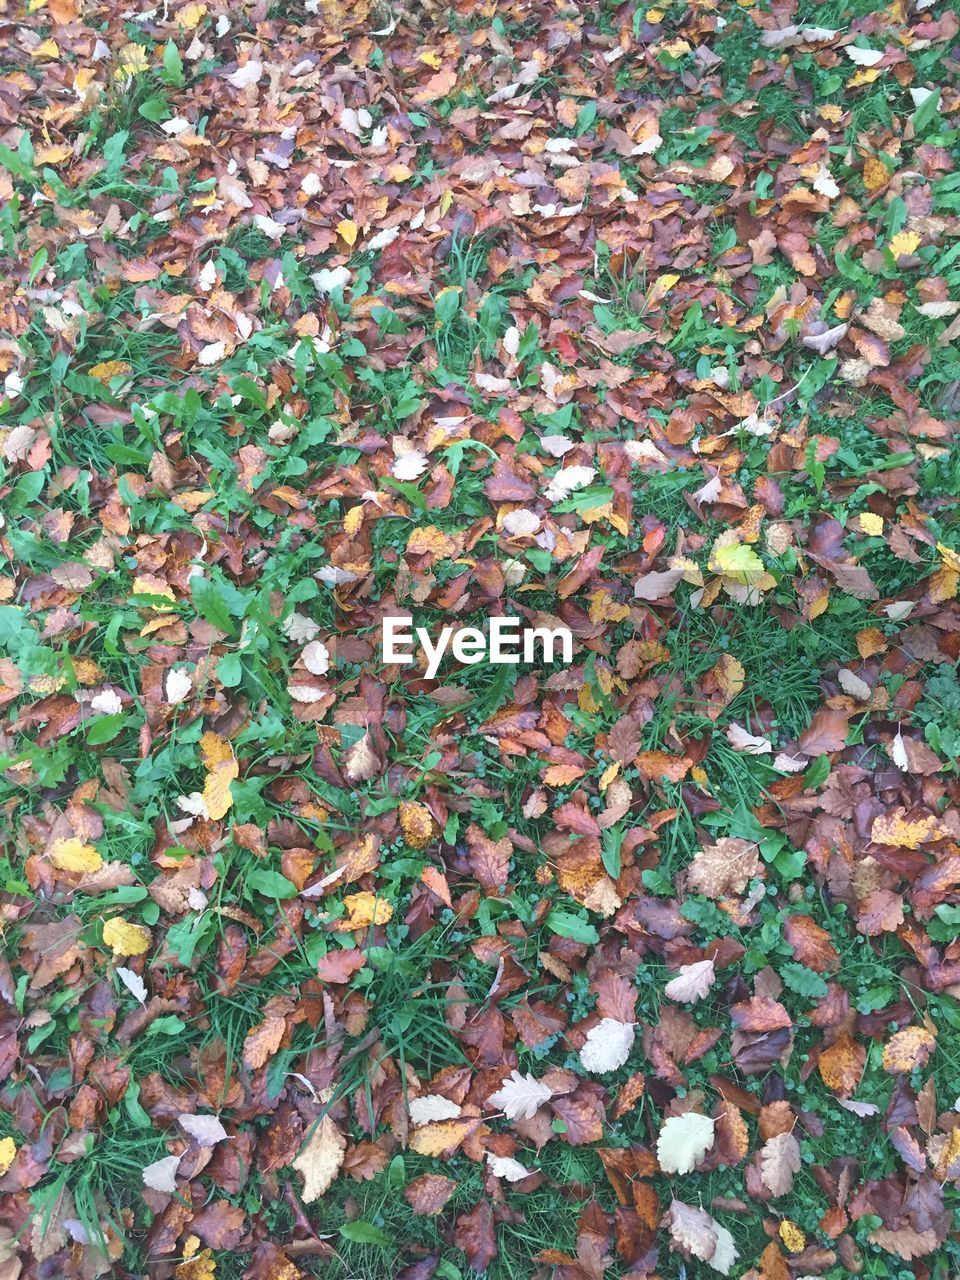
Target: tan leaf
(360,763)
(263,1041)
(842,1063)
(723,868)
(779,1161)
(320,1158)
(908,1049)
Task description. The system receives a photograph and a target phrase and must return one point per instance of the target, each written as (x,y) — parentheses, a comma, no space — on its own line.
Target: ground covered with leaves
(643,321)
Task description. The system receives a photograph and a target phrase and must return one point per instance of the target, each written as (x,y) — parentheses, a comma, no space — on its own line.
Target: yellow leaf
(87,671)
(217,795)
(896,829)
(348,231)
(353,519)
(432,58)
(8,1153)
(48,49)
(416,822)
(608,775)
(73,855)
(866,75)
(215,750)
(875,173)
(654,15)
(363,910)
(150,586)
(730,676)
(792,1236)
(904,243)
(110,369)
(443,1136)
(189,16)
(950,558)
(124,938)
(446,200)
(201,1267)
(132,61)
(736,560)
(662,286)
(871,524)
(399,173)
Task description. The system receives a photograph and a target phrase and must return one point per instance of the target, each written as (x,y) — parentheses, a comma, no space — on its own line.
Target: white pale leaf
(432,1107)
(178,685)
(853,685)
(779,1161)
(316,658)
(272,229)
(106,703)
(328,279)
(193,804)
(938,310)
(507,1167)
(383,238)
(162,1174)
(684,1141)
(899,610)
(864,1109)
(332,575)
(824,184)
(863,57)
(305,692)
(206,1130)
(133,982)
(821,343)
(520,1096)
(212,352)
(299,628)
(246,75)
(692,982)
(567,480)
(557,446)
(746,742)
(494,386)
(608,1045)
(725,1254)
(521,523)
(511,341)
(785,763)
(710,491)
(410,466)
(898,753)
